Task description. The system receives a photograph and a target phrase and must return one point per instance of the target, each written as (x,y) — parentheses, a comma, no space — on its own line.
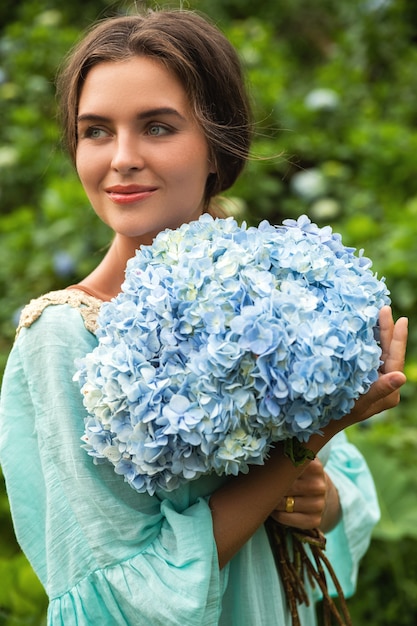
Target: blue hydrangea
(224,340)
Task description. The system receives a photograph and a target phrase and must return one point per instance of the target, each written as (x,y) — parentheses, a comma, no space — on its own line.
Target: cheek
(87,166)
(192,168)
(80,164)
(191,155)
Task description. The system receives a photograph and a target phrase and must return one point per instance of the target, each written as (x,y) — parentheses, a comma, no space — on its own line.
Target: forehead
(140,80)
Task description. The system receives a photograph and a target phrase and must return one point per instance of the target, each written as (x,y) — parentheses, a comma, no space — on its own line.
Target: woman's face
(141,157)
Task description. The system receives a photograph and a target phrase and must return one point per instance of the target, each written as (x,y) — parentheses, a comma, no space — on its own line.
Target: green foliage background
(334,88)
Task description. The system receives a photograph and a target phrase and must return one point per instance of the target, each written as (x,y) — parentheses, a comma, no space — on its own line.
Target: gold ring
(289,504)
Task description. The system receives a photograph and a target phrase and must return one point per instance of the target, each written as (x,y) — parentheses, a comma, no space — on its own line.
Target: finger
(386,329)
(395,352)
(311,518)
(314,468)
(295,520)
(383,394)
(312,481)
(302,504)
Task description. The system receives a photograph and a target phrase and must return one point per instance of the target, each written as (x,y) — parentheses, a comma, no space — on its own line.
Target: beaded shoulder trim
(88,306)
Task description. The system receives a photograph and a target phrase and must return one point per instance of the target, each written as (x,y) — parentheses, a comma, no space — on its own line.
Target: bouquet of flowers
(224,340)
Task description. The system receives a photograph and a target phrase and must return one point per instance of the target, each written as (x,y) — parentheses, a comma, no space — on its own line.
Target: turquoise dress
(110,556)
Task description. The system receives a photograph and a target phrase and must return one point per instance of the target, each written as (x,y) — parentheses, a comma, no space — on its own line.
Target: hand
(315,501)
(384,393)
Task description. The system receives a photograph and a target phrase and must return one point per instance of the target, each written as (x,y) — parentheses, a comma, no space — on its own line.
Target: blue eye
(157,129)
(95,133)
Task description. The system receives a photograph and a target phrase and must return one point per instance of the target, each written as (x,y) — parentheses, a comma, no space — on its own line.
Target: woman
(157,122)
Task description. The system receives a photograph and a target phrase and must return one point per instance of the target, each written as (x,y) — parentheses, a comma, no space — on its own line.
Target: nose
(127,154)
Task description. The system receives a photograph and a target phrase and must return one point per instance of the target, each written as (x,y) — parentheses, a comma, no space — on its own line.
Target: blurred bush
(334,87)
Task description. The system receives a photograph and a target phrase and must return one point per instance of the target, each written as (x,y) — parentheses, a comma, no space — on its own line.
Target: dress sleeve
(104,553)
(349,540)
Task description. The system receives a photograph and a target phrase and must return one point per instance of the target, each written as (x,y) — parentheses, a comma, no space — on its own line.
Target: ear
(212,165)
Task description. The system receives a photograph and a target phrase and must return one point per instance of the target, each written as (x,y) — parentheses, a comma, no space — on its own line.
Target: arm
(105,553)
(244,503)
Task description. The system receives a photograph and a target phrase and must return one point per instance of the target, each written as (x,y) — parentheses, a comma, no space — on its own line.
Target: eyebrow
(148,114)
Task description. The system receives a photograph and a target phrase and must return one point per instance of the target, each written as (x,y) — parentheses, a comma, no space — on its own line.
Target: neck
(107,278)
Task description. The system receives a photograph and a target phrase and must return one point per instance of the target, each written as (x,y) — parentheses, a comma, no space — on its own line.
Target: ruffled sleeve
(349,540)
(174,580)
(105,554)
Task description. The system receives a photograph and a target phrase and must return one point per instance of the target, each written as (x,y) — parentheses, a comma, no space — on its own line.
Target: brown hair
(202,58)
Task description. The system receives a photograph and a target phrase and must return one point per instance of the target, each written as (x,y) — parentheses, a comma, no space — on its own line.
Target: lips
(127,194)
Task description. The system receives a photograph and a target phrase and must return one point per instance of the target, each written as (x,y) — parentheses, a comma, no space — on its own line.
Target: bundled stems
(295,566)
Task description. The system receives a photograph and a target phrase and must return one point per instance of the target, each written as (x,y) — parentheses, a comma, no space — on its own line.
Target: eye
(157,130)
(94,132)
